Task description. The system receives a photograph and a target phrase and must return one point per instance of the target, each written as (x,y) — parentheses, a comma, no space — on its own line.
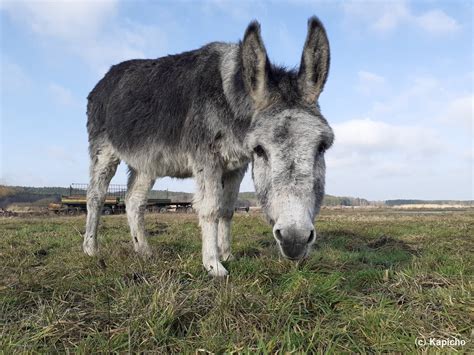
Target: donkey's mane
(284,82)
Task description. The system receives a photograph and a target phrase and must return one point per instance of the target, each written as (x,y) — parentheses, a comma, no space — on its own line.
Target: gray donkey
(208,113)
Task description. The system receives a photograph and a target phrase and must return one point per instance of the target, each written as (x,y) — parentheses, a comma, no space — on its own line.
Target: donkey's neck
(233,148)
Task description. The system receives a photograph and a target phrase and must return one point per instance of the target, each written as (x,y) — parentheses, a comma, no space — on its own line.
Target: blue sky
(399,96)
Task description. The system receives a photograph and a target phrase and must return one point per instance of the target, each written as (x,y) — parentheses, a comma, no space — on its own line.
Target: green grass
(376,282)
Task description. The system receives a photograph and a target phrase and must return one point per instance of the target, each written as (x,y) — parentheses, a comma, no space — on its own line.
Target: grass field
(377,281)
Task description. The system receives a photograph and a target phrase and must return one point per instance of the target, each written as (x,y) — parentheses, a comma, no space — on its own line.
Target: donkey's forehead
(286,123)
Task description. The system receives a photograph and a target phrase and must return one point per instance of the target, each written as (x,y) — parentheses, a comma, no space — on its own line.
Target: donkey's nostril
(278,235)
(311,237)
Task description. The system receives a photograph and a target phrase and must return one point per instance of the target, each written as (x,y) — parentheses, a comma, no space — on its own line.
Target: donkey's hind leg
(103,166)
(139,185)
(231,184)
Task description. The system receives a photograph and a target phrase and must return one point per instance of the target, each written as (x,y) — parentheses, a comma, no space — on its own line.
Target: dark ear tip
(253,27)
(314,23)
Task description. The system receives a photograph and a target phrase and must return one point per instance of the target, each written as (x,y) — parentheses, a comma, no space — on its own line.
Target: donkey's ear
(314,67)
(255,64)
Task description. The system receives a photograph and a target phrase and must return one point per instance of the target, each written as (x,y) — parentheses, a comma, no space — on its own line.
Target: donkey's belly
(159,162)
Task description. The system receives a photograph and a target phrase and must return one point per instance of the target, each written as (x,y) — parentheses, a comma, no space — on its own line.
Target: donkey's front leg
(231,185)
(208,200)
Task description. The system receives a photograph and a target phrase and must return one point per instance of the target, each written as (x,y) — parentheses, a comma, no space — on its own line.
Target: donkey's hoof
(144,252)
(89,249)
(219,273)
(217,270)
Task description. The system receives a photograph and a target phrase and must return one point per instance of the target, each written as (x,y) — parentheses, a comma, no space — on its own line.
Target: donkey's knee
(207,209)
(226,213)
(94,201)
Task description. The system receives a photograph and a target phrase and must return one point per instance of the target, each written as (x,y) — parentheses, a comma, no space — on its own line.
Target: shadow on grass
(260,245)
(348,241)
(157,229)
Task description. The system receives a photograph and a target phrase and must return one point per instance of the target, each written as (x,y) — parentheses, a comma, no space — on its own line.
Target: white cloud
(380,16)
(386,16)
(12,76)
(420,100)
(428,100)
(381,160)
(372,138)
(468,155)
(62,95)
(89,29)
(460,110)
(64,19)
(437,22)
(369,83)
(391,15)
(414,143)
(132,41)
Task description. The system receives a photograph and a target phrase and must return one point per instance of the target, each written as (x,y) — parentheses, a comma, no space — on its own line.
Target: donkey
(209,113)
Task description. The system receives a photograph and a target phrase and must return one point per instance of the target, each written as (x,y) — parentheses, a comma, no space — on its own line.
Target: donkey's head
(288,136)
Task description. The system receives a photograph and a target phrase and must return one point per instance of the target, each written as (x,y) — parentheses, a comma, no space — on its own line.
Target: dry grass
(377,281)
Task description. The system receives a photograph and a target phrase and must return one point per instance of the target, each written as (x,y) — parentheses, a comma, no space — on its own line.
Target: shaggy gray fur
(208,113)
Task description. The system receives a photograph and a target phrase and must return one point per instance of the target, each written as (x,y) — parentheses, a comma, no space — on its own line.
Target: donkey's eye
(321,148)
(259,151)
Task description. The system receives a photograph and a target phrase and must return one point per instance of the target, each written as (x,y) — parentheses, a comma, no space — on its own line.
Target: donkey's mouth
(298,257)
(301,258)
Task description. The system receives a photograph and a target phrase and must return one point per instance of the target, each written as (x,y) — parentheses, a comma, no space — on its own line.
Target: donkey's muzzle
(294,242)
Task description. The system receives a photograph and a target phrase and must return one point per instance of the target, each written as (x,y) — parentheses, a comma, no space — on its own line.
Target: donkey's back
(156,100)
